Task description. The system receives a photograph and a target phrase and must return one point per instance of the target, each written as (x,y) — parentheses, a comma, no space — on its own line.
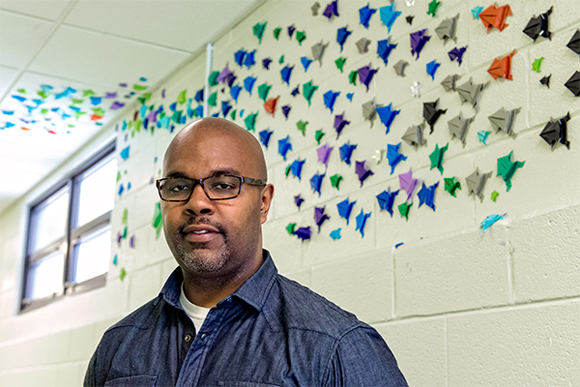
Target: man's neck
(208,290)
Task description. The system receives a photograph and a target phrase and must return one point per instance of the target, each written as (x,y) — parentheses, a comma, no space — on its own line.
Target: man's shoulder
(139,318)
(294,306)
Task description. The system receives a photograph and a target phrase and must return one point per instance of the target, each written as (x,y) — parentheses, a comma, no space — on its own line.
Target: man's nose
(199,203)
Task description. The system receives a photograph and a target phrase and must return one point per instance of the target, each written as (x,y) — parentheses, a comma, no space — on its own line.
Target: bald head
(222,137)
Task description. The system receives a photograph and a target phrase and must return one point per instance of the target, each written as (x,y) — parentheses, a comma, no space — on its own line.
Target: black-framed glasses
(222,187)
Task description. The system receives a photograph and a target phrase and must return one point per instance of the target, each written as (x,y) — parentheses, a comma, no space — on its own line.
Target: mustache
(199,221)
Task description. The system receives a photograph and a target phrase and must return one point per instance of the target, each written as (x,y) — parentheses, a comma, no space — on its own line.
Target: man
(225,317)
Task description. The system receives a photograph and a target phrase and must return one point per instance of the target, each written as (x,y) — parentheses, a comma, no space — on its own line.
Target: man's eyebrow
(215,172)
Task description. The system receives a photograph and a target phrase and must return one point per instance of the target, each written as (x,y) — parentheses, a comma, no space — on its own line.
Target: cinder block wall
(457,306)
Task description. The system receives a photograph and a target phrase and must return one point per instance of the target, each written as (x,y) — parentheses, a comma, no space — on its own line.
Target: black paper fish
(556,131)
(538,26)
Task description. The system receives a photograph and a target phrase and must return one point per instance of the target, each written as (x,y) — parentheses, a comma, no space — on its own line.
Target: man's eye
(222,187)
(178,188)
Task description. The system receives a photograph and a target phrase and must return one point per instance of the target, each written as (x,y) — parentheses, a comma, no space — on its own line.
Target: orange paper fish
(494,16)
(270,105)
(501,67)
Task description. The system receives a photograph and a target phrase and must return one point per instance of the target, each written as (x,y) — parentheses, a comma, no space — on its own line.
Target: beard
(199,257)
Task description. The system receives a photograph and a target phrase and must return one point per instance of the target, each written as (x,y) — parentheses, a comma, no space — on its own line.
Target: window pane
(97,190)
(45,276)
(49,220)
(92,255)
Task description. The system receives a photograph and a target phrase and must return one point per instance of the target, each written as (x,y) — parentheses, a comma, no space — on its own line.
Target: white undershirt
(197,314)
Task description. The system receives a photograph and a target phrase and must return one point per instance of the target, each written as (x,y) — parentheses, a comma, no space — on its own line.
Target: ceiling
(69,67)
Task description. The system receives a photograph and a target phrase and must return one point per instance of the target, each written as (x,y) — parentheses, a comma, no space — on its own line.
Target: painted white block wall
(457,307)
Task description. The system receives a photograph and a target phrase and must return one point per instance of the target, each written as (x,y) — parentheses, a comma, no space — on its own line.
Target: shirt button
(203,336)
(187,338)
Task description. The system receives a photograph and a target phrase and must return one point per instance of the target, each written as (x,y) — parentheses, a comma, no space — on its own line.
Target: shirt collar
(254,291)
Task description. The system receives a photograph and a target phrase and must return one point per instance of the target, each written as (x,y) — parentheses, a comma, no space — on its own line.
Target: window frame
(71,238)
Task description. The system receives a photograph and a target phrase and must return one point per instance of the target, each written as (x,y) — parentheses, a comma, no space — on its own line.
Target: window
(69,233)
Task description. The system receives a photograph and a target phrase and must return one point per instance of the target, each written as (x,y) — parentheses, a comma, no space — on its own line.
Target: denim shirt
(270,332)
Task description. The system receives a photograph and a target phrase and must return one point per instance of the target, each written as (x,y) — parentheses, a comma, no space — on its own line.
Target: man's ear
(266,201)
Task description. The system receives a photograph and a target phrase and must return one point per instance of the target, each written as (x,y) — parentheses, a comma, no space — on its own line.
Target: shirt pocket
(133,381)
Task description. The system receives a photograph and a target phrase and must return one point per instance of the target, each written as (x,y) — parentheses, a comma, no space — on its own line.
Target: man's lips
(199,233)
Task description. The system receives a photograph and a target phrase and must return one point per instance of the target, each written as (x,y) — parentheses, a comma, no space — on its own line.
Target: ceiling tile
(78,54)
(187,24)
(7,76)
(20,38)
(45,9)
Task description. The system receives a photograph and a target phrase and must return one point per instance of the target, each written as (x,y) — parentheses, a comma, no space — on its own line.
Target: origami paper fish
(308,90)
(361,221)
(303,233)
(405,209)
(431,113)
(450,82)
(494,16)
(459,126)
(556,131)
(341,35)
(291,30)
(258,30)
(446,29)
(574,43)
(387,115)
(366,74)
(335,234)
(249,84)
(475,12)
(414,135)
(436,157)
(265,137)
(494,196)
(346,152)
(501,67)
(316,182)
(199,96)
(296,168)
(263,91)
(409,19)
(291,228)
(250,122)
(379,155)
(407,183)
(335,180)
(384,49)
(324,154)
(345,208)
(394,156)
(330,98)
(433,5)
(339,124)
(270,105)
(301,125)
(538,26)
(537,64)
(285,73)
(506,169)
(249,59)
(416,89)
(340,63)
(476,183)
(300,37)
(305,63)
(365,14)
(298,200)
(295,91)
(451,185)
(389,15)
(426,195)
(362,172)
(490,220)
(482,136)
(331,10)
(226,107)
(471,92)
(318,51)
(457,54)
(400,67)
(284,146)
(432,68)
(318,135)
(320,217)
(362,45)
(315,7)
(503,120)
(573,83)
(266,63)
(386,200)
(418,40)
(369,111)
(546,80)
(286,110)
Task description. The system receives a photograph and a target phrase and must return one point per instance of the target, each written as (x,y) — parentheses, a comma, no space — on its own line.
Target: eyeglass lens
(219,187)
